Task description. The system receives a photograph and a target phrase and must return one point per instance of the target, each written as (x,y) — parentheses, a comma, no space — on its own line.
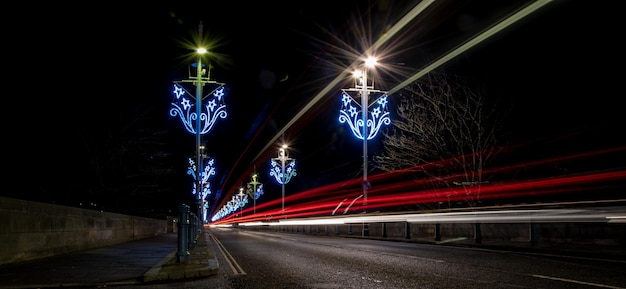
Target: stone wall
(31,230)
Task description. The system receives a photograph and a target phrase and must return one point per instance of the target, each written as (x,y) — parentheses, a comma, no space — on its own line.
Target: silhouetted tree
(444,131)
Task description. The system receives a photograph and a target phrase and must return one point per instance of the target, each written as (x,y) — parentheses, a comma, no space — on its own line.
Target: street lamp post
(283,171)
(199,85)
(203,119)
(364,108)
(255,190)
(364,128)
(240,198)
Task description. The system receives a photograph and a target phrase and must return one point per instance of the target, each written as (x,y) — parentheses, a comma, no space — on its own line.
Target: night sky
(86,75)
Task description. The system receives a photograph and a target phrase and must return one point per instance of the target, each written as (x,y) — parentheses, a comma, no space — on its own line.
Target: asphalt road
(250,259)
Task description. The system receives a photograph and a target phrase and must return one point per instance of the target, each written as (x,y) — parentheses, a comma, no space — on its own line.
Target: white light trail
(595,215)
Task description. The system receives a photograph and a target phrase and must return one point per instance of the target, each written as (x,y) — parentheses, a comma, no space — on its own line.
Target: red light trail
(398,189)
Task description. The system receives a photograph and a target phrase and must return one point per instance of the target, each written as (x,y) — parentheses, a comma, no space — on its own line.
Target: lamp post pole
(200,185)
(253,194)
(364,128)
(241,195)
(199,85)
(283,172)
(364,107)
(199,120)
(283,158)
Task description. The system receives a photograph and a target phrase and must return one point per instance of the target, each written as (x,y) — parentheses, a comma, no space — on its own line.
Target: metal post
(364,109)
(364,106)
(533,235)
(193,119)
(193,230)
(240,197)
(199,85)
(183,227)
(283,183)
(407,230)
(254,184)
(347,115)
(437,232)
(478,233)
(278,171)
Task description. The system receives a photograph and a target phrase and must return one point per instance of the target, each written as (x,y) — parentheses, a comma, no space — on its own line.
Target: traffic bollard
(183,233)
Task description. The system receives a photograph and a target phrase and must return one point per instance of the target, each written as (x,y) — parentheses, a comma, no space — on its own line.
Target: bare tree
(446,132)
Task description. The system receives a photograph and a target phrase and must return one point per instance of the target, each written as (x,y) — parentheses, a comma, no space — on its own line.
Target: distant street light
(255,190)
(364,128)
(204,119)
(283,168)
(242,200)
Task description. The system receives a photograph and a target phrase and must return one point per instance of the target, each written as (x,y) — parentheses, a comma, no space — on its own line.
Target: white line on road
(578,282)
(237,270)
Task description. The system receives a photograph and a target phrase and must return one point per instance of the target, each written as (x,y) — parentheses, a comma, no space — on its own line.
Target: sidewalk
(136,262)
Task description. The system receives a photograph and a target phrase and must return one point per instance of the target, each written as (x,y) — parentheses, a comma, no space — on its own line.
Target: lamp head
(371,61)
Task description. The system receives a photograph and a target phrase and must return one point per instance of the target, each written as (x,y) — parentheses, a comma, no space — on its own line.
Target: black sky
(83,71)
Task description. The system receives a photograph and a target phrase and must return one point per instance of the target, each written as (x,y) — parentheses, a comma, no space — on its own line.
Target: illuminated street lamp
(242,200)
(255,190)
(283,168)
(203,119)
(367,126)
(238,201)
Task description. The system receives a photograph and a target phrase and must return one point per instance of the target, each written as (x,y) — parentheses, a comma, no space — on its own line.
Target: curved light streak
(397,27)
(604,215)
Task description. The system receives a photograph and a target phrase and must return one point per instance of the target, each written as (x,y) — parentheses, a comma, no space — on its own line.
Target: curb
(201,264)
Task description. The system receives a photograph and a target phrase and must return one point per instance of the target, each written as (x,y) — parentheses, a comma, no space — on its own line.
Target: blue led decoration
(364,124)
(259,192)
(351,113)
(255,188)
(207,172)
(285,169)
(241,198)
(237,202)
(212,110)
(199,112)
(205,210)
